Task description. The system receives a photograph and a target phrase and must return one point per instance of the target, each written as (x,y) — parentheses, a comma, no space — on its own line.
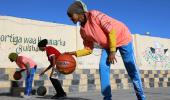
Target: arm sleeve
(112,40)
(88,48)
(83,52)
(24,63)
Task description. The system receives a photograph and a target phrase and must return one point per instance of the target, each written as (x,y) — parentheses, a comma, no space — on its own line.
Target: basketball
(41,91)
(17,75)
(66,64)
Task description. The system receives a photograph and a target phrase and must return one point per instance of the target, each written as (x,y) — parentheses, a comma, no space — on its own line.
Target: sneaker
(26,96)
(57,96)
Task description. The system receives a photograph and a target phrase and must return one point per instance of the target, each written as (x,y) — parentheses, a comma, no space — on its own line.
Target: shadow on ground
(46,97)
(5,94)
(64,98)
(9,95)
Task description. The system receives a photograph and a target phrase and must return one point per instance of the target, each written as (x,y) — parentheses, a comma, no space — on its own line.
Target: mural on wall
(157,56)
(22,35)
(27,43)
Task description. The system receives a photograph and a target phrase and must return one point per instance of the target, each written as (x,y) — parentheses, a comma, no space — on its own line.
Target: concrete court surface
(151,94)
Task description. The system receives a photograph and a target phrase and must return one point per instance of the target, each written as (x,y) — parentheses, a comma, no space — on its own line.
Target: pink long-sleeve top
(97,28)
(22,61)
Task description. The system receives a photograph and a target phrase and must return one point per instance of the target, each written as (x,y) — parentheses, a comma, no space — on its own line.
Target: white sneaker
(26,96)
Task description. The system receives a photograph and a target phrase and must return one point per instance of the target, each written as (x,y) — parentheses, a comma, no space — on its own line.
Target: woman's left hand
(28,72)
(112,59)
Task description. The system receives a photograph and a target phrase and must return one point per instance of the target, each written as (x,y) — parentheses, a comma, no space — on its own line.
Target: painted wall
(152,53)
(22,35)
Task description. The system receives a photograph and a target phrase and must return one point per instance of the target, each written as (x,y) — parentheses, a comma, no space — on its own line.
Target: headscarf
(43,43)
(13,56)
(77,7)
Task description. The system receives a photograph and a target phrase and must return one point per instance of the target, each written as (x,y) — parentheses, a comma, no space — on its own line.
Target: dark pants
(57,85)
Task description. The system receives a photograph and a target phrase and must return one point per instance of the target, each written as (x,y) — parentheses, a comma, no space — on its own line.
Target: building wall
(22,35)
(152,53)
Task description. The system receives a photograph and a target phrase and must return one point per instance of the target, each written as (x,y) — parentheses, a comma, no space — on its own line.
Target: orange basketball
(66,64)
(17,75)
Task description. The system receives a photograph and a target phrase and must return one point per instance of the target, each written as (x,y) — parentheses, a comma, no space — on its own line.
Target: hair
(77,7)
(43,43)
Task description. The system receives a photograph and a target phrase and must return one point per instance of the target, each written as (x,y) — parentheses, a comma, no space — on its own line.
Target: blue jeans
(127,54)
(28,81)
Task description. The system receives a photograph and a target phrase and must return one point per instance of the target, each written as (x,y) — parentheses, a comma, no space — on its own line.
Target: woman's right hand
(42,73)
(111,58)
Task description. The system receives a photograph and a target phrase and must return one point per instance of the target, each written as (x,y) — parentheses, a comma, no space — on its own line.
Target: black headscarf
(43,43)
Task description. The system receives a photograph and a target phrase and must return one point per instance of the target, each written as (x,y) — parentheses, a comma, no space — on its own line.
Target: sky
(140,16)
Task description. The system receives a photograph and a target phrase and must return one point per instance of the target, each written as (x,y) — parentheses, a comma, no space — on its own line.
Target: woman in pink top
(28,65)
(111,35)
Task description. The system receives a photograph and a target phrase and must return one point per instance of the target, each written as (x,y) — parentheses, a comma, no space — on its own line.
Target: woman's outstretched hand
(112,59)
(42,73)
